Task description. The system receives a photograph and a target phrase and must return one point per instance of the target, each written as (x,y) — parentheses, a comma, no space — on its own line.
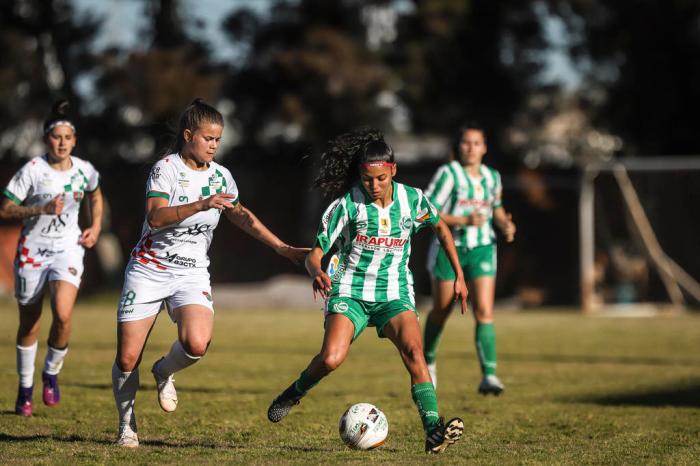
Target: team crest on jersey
(406,223)
(215,181)
(340,307)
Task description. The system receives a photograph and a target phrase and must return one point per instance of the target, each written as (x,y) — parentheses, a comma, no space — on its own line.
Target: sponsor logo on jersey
(423,215)
(406,223)
(183,183)
(384,225)
(340,307)
(485,266)
(45,252)
(474,203)
(155,173)
(46,180)
(73,271)
(193,230)
(177,259)
(57,224)
(380,241)
(361,225)
(215,181)
(333,266)
(207,295)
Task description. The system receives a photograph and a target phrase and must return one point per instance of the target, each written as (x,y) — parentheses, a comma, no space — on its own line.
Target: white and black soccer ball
(363,426)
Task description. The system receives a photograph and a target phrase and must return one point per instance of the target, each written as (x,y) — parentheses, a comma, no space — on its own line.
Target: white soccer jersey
(35,184)
(184,245)
(454,192)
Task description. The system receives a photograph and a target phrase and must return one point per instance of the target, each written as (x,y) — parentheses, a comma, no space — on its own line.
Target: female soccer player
(46,194)
(468,195)
(371,222)
(185,195)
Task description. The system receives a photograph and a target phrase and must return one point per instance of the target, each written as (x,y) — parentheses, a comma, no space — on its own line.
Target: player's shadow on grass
(688,396)
(77,438)
(590,359)
(108,386)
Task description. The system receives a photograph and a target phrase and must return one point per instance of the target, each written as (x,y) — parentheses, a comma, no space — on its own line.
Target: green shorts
(366,313)
(477,262)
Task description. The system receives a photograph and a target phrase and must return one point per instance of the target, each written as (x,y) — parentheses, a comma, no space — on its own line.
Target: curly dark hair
(343,155)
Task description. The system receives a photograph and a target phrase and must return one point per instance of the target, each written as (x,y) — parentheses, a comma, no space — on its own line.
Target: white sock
(124,386)
(25,364)
(54,360)
(176,360)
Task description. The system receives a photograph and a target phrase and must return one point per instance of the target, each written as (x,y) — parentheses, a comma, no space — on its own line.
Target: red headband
(377,164)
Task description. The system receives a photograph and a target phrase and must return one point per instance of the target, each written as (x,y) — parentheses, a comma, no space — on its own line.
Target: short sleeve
(93,177)
(20,186)
(497,190)
(334,220)
(440,187)
(231,187)
(426,213)
(161,182)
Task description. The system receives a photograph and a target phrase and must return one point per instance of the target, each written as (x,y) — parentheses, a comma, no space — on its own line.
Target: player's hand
(476,219)
(509,229)
(321,285)
(219,201)
(461,293)
(296,255)
(89,237)
(54,206)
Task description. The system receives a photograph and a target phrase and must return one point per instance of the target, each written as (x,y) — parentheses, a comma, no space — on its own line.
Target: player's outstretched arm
(504,221)
(90,235)
(159,214)
(10,210)
(442,231)
(248,222)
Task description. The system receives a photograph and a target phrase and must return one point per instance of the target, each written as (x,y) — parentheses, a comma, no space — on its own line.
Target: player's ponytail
(58,116)
(195,115)
(343,156)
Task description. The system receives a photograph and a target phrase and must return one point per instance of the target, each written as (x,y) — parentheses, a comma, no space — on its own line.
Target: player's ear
(187,135)
(393,171)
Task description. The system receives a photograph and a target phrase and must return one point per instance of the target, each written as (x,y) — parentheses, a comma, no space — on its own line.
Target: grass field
(579,390)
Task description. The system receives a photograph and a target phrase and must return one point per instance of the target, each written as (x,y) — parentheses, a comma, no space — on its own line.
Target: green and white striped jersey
(374,243)
(454,192)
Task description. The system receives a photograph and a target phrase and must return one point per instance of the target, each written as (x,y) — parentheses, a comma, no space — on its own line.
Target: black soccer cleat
(444,435)
(284,403)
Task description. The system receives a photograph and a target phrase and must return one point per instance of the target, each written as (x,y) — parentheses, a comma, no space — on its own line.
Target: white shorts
(145,291)
(34,266)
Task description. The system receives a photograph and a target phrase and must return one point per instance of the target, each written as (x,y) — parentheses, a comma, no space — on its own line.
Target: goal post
(674,278)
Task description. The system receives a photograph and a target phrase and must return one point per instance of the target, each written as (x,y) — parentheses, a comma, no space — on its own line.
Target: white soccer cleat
(167,396)
(432,369)
(491,384)
(128,438)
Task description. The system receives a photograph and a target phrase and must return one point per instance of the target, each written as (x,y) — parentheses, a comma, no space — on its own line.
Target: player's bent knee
(331,361)
(413,352)
(196,348)
(127,362)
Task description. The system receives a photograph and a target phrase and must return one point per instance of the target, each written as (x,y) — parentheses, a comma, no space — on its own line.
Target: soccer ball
(363,426)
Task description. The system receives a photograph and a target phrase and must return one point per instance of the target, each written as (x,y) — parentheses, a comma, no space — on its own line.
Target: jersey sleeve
(334,220)
(440,187)
(231,187)
(161,181)
(497,191)
(93,177)
(20,186)
(426,213)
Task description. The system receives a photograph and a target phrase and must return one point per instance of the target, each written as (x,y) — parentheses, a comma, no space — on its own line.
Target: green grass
(579,390)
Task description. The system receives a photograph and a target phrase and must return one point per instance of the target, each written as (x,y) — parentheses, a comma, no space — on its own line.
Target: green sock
(426,400)
(305,383)
(485,339)
(431,340)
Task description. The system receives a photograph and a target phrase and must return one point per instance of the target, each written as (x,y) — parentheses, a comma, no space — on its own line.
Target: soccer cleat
(444,435)
(23,405)
(167,396)
(51,395)
(491,384)
(128,438)
(284,403)
(432,369)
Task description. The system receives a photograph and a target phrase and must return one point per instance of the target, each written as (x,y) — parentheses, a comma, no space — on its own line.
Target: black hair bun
(197,101)
(60,107)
